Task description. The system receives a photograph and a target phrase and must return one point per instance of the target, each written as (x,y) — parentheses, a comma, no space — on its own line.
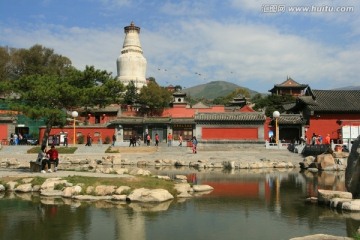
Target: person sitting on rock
(53,157)
(42,159)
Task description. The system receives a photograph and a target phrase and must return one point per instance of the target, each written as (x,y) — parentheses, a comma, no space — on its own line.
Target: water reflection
(261,204)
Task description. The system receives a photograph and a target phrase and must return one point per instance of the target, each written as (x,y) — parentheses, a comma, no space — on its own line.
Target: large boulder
(326,161)
(149,195)
(352,174)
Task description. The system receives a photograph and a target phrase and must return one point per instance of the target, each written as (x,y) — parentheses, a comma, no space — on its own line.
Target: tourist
(132,141)
(100,139)
(42,159)
(139,140)
(180,140)
(194,144)
(113,140)
(65,140)
(313,139)
(16,139)
(157,140)
(327,139)
(88,140)
(148,139)
(53,158)
(169,138)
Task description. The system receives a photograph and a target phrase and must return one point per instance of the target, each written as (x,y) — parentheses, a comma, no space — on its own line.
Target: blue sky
(252,43)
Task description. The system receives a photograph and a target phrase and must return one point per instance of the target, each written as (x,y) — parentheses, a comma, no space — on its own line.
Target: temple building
(288,87)
(131,64)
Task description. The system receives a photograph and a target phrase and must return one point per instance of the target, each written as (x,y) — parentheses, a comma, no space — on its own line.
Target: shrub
(81,139)
(107,140)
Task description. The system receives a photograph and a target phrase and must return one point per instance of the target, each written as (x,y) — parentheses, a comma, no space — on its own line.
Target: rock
(121,189)
(2,188)
(13,161)
(180,177)
(325,196)
(122,171)
(184,195)
(183,187)
(164,177)
(91,197)
(11,186)
(119,197)
(50,183)
(307,161)
(117,159)
(140,172)
(202,188)
(71,191)
(103,190)
(353,205)
(340,154)
(90,190)
(326,161)
(352,173)
(149,195)
(321,237)
(24,188)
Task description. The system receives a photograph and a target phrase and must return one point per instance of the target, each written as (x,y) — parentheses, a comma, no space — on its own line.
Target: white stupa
(131,64)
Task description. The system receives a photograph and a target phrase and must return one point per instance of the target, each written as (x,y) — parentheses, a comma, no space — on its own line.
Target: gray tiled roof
(333,100)
(230,117)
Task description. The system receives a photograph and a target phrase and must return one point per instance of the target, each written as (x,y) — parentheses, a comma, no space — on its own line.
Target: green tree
(131,95)
(35,60)
(224,100)
(154,99)
(271,103)
(48,87)
(4,63)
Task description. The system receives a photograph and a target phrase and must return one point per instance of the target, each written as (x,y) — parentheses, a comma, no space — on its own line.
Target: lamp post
(74,114)
(276,115)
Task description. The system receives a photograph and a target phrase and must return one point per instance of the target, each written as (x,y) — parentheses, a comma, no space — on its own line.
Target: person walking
(169,138)
(65,140)
(113,140)
(194,144)
(157,140)
(88,140)
(148,139)
(53,157)
(180,140)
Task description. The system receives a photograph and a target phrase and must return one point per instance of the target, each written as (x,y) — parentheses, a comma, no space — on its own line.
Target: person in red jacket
(53,157)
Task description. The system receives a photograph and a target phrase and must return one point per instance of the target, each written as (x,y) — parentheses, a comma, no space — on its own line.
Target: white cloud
(253,55)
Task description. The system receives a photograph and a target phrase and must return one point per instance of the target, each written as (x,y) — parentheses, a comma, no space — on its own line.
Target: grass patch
(112,150)
(38,181)
(61,150)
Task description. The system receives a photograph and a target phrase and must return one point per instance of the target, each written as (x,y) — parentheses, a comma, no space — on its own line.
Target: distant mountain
(348,88)
(213,90)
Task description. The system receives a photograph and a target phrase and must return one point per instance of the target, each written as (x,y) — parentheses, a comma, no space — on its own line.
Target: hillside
(349,88)
(213,90)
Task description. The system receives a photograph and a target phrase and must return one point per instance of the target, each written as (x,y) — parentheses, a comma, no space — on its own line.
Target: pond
(244,205)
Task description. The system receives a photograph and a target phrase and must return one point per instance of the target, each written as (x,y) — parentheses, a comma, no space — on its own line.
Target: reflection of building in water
(130,226)
(245,189)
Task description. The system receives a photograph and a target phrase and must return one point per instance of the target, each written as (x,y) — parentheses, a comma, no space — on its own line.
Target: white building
(131,64)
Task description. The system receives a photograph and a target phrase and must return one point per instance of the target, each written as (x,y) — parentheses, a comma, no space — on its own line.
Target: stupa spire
(131,64)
